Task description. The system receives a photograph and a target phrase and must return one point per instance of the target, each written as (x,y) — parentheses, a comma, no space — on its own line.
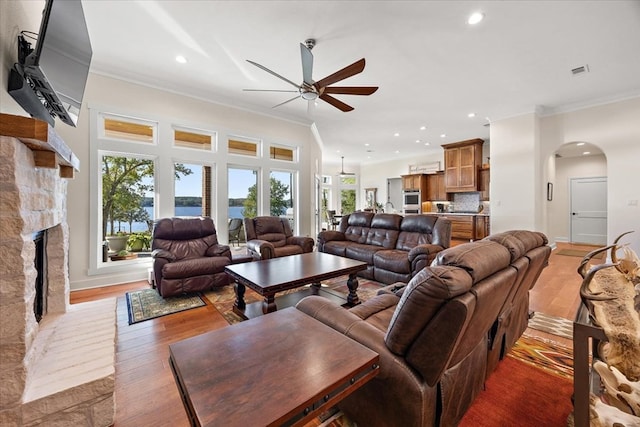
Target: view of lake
(233,212)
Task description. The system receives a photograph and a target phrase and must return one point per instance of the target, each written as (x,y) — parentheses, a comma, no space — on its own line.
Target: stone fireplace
(59,371)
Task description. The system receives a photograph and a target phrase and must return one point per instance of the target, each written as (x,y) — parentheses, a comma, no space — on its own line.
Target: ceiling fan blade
(273,73)
(336,103)
(351,90)
(270,90)
(348,71)
(307,64)
(287,101)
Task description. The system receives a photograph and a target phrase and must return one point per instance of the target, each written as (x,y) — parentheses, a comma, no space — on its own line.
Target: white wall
(520,167)
(514,173)
(559,214)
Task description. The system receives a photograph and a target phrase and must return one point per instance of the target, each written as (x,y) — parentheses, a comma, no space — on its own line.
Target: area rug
(577,252)
(552,324)
(146,304)
(532,387)
(224,298)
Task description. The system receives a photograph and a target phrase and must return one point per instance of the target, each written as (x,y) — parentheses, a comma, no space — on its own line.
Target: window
(199,140)
(347,201)
(127,201)
(128,129)
(243,193)
(281,195)
(192,190)
(244,147)
(281,153)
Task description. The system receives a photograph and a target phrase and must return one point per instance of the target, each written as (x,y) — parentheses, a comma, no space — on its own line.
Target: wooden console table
(280,369)
(585,379)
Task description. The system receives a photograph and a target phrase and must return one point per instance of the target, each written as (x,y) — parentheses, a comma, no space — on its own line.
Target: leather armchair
(271,237)
(187,257)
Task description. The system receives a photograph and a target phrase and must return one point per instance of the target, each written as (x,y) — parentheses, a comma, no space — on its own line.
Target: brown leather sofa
(395,248)
(187,257)
(271,237)
(433,334)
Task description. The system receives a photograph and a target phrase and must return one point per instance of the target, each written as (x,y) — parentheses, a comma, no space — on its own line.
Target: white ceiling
(433,69)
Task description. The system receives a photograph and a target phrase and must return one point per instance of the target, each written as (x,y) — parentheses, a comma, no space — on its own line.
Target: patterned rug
(552,324)
(547,355)
(147,304)
(223,298)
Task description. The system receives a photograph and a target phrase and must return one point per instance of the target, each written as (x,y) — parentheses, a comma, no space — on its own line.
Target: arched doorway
(577,209)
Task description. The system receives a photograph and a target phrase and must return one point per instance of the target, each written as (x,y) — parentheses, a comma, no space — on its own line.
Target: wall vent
(580,70)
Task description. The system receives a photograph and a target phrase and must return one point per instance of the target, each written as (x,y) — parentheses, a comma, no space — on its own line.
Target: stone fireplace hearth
(60,371)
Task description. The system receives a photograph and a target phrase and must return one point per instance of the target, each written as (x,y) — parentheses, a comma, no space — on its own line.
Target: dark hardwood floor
(146,394)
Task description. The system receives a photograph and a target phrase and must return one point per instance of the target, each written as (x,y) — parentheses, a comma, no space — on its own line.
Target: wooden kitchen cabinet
(435,187)
(462,162)
(462,226)
(483,184)
(482,227)
(415,182)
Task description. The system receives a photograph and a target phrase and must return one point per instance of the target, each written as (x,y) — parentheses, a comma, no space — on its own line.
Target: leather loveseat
(394,247)
(435,333)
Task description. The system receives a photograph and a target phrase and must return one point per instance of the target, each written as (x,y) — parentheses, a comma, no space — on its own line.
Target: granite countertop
(457,213)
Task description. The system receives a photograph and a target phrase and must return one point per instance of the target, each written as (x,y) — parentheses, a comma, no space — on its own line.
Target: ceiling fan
(342,172)
(310,90)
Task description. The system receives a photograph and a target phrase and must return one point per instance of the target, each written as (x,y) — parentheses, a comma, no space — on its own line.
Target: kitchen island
(466,225)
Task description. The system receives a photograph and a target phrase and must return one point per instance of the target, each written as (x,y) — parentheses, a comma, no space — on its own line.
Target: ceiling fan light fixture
(309,96)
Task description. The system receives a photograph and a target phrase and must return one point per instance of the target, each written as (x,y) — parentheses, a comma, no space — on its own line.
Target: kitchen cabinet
(415,182)
(462,226)
(483,184)
(481,227)
(435,187)
(462,162)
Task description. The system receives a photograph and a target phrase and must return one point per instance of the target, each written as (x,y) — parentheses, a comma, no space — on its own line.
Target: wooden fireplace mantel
(49,150)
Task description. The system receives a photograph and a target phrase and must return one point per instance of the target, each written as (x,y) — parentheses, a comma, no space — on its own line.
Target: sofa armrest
(306,243)
(327,236)
(424,250)
(162,253)
(396,289)
(328,312)
(261,249)
(218,250)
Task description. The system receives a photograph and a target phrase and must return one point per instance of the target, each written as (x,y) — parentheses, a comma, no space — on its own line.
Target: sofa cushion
(392,260)
(336,247)
(382,237)
(360,219)
(386,220)
(361,252)
(287,250)
(514,245)
(194,267)
(424,296)
(480,259)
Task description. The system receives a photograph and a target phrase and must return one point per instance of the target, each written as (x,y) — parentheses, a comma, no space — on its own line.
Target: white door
(589,210)
(394,195)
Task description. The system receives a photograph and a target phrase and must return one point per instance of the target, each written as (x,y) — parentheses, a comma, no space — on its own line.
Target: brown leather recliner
(187,257)
(271,237)
(432,336)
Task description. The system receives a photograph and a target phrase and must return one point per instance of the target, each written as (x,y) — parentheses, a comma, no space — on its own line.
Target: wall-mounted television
(49,80)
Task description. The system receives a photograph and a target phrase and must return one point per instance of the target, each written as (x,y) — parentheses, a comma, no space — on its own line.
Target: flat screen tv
(56,70)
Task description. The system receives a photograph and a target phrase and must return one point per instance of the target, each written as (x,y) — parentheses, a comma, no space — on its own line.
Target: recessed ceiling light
(181,59)
(586,152)
(443,135)
(397,151)
(580,144)
(475,18)
(396,134)
(366,145)
(417,141)
(471,115)
(426,143)
(423,127)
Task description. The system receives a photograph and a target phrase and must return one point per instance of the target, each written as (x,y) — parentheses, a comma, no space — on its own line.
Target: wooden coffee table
(280,274)
(280,369)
